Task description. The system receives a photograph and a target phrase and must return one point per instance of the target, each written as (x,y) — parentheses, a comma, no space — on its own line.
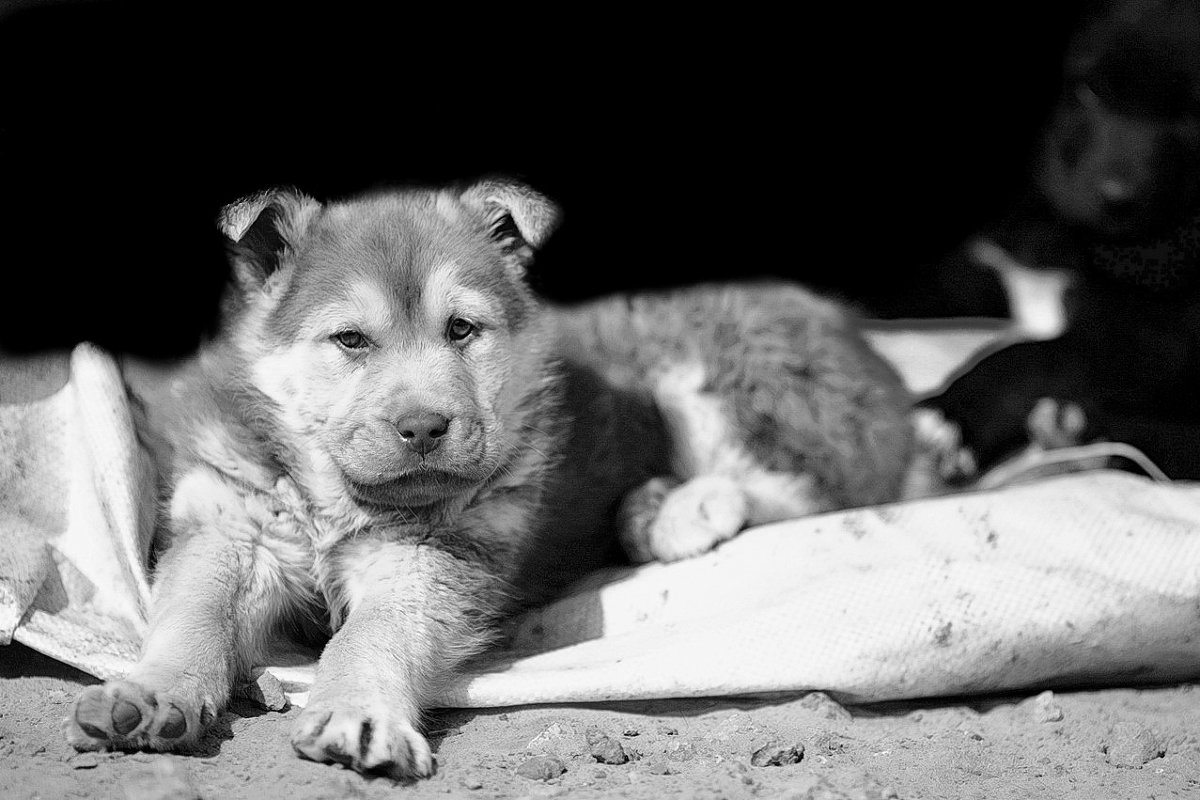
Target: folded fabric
(76,512)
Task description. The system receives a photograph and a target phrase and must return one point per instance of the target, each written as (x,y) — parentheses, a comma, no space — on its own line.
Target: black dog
(1113,199)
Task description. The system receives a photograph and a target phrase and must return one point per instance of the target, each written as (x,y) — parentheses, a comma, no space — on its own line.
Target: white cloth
(1081,577)
(1085,577)
(76,506)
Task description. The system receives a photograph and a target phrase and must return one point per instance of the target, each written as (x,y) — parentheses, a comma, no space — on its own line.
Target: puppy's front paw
(940,442)
(368,737)
(124,715)
(689,519)
(1055,423)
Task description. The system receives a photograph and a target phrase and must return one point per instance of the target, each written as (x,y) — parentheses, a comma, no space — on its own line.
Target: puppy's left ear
(521,219)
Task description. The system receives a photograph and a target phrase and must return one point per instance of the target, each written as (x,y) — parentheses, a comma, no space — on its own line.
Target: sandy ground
(1117,743)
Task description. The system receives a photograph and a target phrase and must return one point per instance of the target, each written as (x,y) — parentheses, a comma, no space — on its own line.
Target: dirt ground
(1117,743)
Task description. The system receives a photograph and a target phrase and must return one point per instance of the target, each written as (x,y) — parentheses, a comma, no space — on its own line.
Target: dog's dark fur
(1114,203)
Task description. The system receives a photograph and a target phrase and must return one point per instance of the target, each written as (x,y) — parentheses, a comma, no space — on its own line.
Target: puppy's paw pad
(1056,423)
(127,716)
(366,740)
(941,441)
(696,516)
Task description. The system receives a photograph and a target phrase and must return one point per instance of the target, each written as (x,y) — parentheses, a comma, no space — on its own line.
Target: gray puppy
(393,438)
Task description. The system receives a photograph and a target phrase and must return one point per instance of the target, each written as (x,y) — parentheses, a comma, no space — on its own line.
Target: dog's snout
(423,430)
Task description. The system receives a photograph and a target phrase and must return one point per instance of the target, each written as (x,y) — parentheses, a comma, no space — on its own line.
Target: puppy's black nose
(423,430)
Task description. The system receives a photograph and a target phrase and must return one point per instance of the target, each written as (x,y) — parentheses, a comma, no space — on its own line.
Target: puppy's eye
(460,329)
(351,340)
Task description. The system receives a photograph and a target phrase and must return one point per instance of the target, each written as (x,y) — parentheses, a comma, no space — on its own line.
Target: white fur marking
(1035,295)
(705,443)
(364,307)
(704,440)
(445,295)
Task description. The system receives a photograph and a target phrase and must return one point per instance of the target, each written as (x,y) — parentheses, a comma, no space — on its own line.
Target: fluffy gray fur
(666,422)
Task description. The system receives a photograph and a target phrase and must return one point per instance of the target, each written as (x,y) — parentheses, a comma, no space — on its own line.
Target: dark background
(848,149)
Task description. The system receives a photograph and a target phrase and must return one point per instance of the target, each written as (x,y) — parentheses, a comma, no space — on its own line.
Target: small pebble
(631,732)
(541,768)
(604,748)
(1130,744)
(265,690)
(774,754)
(825,705)
(85,761)
(472,783)
(667,730)
(1046,709)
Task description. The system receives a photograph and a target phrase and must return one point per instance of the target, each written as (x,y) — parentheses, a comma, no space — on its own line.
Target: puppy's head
(392,337)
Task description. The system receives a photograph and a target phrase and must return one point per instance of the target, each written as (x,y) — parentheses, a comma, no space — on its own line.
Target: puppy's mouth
(413,489)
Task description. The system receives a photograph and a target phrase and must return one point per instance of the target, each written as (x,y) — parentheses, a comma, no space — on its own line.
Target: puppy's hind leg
(668,518)
(215,595)
(665,520)
(723,488)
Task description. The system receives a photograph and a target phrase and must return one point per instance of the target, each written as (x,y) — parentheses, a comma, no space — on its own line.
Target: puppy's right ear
(260,230)
(518,217)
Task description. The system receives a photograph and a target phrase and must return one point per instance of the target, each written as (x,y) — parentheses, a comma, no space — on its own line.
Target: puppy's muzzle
(422,430)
